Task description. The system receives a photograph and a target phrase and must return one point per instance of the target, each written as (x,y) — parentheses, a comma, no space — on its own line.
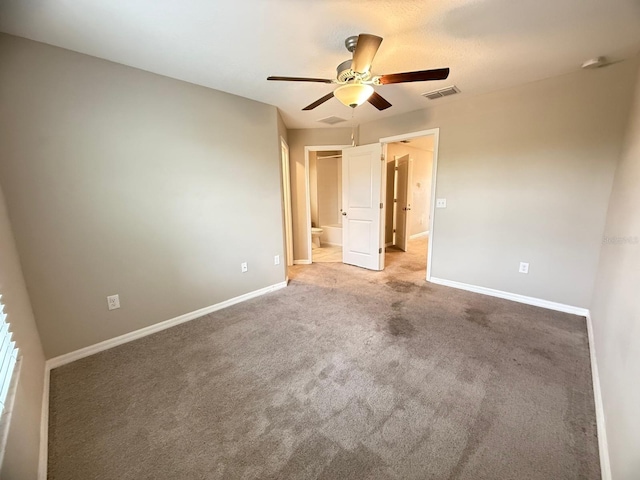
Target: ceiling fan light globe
(353,94)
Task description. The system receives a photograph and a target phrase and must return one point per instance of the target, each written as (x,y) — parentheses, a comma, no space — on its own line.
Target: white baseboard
(538,302)
(302,262)
(114,342)
(603,445)
(143,332)
(421,234)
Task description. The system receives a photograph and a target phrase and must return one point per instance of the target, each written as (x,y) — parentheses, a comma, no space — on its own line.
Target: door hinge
(397,169)
(380,250)
(382,158)
(380,205)
(394,230)
(395,200)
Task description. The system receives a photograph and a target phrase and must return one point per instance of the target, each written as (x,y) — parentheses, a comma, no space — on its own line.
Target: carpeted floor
(345,374)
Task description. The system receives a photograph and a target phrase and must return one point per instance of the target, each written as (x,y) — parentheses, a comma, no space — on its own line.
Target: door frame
(307,193)
(434,178)
(286,200)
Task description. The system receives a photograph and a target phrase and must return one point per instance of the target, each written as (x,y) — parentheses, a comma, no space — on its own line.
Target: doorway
(325,192)
(323,170)
(364,179)
(411,166)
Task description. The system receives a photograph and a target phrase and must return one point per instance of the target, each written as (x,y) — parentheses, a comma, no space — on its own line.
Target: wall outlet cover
(524,267)
(113,302)
(276,260)
(244,267)
(441,203)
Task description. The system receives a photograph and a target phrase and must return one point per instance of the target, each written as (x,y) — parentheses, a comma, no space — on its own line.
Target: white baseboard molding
(114,342)
(302,262)
(421,234)
(538,302)
(603,445)
(143,332)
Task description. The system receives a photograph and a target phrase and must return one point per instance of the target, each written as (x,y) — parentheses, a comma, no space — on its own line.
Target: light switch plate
(441,203)
(244,267)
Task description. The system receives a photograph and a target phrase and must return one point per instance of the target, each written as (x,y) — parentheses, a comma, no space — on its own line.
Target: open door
(403,201)
(362,206)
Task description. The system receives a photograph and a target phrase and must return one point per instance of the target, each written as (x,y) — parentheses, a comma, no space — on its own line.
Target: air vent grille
(332,120)
(442,92)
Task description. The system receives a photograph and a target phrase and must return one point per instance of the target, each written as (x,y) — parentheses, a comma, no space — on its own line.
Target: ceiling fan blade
(419,76)
(318,102)
(300,79)
(366,49)
(378,101)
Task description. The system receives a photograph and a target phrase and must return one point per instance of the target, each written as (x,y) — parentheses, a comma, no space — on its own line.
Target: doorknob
(344,213)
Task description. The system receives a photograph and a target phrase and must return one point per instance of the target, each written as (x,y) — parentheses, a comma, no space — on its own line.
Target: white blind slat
(8,357)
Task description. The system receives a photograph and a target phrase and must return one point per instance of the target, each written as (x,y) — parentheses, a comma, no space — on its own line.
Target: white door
(403,201)
(362,235)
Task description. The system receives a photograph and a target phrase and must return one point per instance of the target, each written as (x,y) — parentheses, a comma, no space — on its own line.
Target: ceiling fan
(355,78)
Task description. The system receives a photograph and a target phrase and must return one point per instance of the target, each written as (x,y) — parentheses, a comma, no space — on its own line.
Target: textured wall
(527,173)
(121,181)
(615,309)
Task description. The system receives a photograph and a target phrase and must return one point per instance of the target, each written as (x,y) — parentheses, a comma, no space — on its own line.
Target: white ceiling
(234,46)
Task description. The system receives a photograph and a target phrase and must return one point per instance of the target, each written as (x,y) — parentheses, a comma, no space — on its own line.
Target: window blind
(8,356)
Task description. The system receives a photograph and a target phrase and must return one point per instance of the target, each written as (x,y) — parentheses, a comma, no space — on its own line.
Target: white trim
(143,332)
(307,192)
(434,178)
(302,262)
(286,200)
(603,446)
(515,297)
(44,426)
(114,342)
(418,235)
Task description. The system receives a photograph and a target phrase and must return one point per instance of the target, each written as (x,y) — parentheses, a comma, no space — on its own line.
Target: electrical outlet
(441,203)
(113,302)
(524,267)
(244,267)
(276,260)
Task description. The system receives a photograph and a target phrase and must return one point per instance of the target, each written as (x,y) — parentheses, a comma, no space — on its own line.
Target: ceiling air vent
(443,92)
(332,120)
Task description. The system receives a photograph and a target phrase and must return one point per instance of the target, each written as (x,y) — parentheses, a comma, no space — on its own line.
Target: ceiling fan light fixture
(353,94)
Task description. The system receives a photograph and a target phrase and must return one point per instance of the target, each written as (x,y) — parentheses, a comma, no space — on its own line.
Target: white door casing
(361,203)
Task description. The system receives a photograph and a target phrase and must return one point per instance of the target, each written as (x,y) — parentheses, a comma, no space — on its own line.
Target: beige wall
(21,455)
(526,173)
(615,309)
(118,181)
(298,139)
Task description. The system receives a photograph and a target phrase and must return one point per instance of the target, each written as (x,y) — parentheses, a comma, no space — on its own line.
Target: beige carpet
(345,374)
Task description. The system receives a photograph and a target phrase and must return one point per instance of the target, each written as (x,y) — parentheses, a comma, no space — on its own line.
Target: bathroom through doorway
(325,205)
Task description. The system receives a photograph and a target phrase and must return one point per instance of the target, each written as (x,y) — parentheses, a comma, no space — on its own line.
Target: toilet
(315,237)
